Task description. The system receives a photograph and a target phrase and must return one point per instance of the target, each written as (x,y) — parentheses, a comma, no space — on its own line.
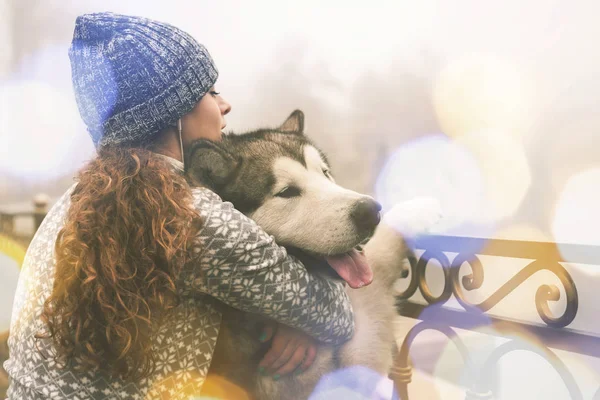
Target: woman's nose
(225,107)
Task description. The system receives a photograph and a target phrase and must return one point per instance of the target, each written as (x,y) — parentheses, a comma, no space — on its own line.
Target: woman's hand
(291,351)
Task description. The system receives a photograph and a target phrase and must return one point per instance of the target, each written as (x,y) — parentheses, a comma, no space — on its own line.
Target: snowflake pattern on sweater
(239,265)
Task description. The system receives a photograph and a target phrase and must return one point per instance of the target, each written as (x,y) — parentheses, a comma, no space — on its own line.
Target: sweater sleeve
(240,265)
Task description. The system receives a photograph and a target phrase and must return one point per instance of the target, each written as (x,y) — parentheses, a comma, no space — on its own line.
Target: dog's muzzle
(366,215)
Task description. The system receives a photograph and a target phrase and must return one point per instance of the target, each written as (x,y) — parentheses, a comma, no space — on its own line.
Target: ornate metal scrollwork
(454,285)
(401,372)
(422,268)
(419,281)
(482,377)
(544,294)
(544,257)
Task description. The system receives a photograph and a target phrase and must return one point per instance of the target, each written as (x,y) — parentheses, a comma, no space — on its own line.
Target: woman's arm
(242,266)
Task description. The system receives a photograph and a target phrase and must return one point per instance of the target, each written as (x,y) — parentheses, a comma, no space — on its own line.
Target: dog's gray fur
(248,170)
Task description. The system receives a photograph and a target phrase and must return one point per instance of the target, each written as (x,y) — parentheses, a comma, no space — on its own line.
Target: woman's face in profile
(207,118)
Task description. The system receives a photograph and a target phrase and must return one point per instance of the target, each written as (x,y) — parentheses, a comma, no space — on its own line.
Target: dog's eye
(288,191)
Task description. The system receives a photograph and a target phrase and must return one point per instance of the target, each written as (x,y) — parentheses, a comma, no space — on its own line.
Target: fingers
(290,351)
(284,357)
(293,362)
(278,346)
(267,333)
(311,354)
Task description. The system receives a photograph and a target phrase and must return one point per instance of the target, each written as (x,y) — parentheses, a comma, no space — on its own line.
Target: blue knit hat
(133,76)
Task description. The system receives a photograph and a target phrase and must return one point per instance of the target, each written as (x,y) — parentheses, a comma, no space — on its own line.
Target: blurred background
(489,106)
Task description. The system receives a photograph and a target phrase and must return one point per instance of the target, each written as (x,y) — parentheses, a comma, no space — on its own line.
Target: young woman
(120,290)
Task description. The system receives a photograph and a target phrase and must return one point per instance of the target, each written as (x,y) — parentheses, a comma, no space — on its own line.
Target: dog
(280,179)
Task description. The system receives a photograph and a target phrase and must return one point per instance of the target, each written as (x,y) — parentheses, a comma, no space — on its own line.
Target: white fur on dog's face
(318,218)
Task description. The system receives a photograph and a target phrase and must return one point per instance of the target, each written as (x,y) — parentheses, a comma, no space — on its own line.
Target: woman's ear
(294,123)
(208,164)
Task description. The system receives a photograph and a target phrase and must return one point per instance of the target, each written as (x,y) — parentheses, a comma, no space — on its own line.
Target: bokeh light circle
(505,169)
(434,166)
(38,124)
(577,212)
(483,91)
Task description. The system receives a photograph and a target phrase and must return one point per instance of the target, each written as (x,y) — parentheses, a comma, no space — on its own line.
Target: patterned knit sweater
(240,265)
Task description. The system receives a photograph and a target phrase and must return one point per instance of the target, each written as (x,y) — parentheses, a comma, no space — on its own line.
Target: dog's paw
(414,217)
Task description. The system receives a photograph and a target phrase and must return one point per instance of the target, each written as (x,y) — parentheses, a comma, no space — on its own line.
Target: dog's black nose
(366,215)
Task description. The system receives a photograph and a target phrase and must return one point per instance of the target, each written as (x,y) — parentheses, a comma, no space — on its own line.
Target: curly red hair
(126,237)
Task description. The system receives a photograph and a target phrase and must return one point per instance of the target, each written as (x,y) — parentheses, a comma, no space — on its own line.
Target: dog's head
(279,178)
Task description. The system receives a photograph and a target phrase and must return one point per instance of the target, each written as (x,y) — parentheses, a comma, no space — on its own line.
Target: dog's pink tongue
(353,268)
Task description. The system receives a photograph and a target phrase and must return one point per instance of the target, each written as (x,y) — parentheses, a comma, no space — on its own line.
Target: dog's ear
(294,123)
(209,164)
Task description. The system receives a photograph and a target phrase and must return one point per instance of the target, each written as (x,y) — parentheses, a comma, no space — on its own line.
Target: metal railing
(552,333)
(8,220)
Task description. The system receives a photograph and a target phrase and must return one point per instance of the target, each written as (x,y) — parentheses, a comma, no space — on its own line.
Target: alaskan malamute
(280,179)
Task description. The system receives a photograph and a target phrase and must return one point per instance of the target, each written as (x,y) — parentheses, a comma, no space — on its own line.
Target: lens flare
(47,64)
(437,360)
(38,126)
(435,166)
(504,168)
(12,255)
(479,179)
(215,387)
(577,212)
(522,366)
(483,92)
(523,231)
(12,249)
(357,382)
(9,270)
